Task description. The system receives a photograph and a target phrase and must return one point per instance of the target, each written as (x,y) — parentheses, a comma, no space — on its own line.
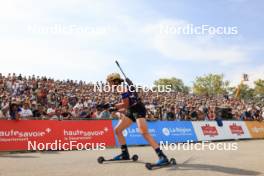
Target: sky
(81,39)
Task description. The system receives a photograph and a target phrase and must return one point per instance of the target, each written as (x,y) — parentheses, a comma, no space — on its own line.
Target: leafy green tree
(245,92)
(175,83)
(212,84)
(259,87)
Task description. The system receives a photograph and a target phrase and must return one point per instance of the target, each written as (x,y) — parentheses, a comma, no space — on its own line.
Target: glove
(113,109)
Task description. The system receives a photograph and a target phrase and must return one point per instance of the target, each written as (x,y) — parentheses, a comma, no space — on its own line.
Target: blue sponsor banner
(133,136)
(175,131)
(171,131)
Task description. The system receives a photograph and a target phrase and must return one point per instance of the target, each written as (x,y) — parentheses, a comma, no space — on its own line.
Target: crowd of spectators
(35,97)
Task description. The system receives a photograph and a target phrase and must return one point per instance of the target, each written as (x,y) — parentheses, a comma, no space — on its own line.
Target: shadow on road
(186,165)
(215,168)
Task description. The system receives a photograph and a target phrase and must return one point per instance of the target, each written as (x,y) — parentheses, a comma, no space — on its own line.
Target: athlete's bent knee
(118,131)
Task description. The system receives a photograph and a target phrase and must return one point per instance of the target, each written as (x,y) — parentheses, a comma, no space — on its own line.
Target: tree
(245,92)
(212,84)
(259,87)
(175,83)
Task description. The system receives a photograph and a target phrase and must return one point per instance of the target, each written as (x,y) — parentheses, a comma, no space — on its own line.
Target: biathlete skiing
(135,111)
(132,110)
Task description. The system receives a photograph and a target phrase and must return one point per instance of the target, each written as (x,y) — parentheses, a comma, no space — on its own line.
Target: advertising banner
(176,131)
(236,129)
(210,131)
(166,131)
(256,129)
(133,136)
(29,134)
(51,134)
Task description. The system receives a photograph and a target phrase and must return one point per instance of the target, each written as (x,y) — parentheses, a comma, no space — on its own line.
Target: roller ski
(121,157)
(162,162)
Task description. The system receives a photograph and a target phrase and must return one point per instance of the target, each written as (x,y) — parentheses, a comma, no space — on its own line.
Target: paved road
(247,160)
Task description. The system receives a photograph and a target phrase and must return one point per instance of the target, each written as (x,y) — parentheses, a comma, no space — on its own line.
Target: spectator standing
(26,112)
(51,112)
(14,111)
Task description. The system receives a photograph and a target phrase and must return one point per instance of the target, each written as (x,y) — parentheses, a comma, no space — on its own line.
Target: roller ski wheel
(134,158)
(171,162)
(101,159)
